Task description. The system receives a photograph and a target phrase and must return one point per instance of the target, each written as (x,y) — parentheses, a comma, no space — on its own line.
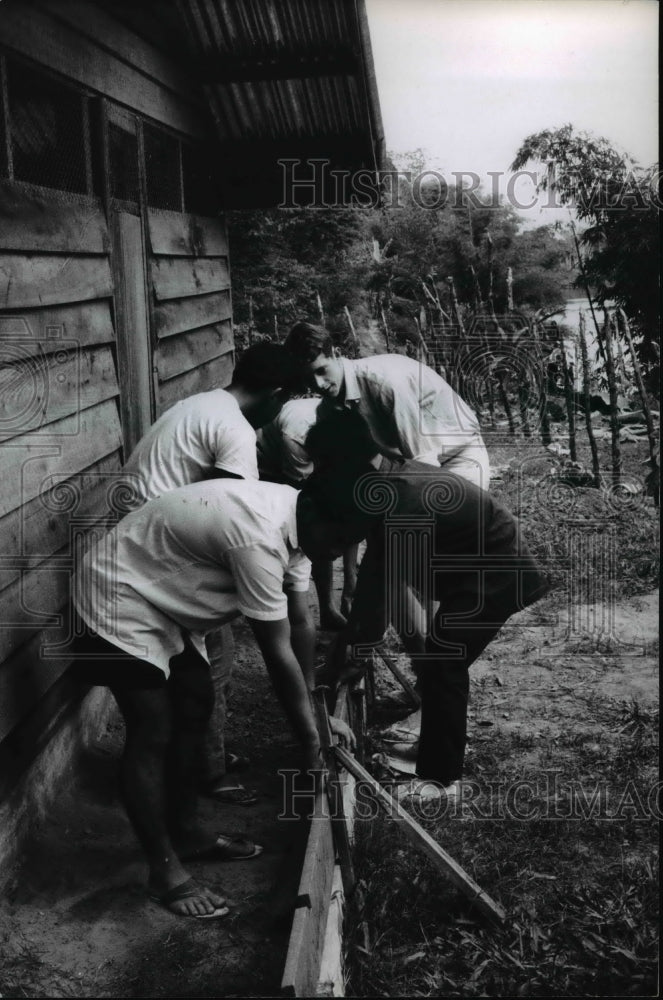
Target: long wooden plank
(45,331)
(180,315)
(32,533)
(36,392)
(340,828)
(177,235)
(422,840)
(102,28)
(214,375)
(181,354)
(65,448)
(179,277)
(28,281)
(61,48)
(302,966)
(31,221)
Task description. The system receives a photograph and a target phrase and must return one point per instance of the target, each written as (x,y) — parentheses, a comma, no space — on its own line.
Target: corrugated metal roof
(287,78)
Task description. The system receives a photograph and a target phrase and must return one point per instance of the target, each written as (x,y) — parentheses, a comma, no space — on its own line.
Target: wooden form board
(315,918)
(302,967)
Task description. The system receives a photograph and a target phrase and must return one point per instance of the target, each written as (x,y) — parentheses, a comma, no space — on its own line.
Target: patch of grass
(581,894)
(551,513)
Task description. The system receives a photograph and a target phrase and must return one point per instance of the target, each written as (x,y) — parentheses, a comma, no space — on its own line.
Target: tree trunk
(586,391)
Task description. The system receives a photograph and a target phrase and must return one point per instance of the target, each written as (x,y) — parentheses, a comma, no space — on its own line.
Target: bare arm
(274,640)
(302,634)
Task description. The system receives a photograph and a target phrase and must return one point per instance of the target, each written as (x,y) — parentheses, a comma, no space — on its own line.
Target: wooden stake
(400,677)
(334,793)
(250,330)
(422,840)
(386,330)
(568,396)
(646,409)
(352,330)
(509,289)
(612,391)
(586,386)
(320,309)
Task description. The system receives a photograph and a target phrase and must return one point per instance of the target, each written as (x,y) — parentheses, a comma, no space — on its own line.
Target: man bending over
(147,593)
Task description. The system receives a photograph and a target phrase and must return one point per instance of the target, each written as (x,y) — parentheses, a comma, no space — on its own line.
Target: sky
(468,80)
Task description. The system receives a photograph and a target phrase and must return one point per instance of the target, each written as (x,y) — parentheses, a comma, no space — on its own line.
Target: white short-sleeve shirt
(204,432)
(281,450)
(186,560)
(412,412)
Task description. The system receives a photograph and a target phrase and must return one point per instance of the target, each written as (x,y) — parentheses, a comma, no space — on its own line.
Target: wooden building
(125,129)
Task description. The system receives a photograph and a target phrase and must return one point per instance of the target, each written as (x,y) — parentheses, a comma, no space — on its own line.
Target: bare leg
(149,727)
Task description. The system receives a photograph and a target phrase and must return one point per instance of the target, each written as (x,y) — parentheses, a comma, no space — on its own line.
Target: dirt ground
(76,921)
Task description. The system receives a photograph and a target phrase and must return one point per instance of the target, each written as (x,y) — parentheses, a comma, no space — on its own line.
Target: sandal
(224,849)
(186,890)
(236,794)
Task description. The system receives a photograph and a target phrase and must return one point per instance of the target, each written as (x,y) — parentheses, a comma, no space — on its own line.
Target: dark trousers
(444,686)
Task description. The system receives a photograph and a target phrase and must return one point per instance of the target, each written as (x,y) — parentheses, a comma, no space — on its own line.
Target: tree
(616,198)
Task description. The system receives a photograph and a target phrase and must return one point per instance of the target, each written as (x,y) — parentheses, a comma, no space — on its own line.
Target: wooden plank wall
(191,304)
(60,432)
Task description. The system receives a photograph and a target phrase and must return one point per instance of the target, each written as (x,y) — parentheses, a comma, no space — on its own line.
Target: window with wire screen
(201,189)
(163,169)
(48,130)
(123,164)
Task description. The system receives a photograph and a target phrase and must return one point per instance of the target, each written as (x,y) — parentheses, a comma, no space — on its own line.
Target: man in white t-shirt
(213,435)
(146,595)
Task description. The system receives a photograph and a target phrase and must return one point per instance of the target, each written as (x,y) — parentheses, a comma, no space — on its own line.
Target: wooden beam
(36,391)
(177,355)
(302,966)
(31,220)
(180,315)
(28,281)
(178,235)
(180,277)
(400,677)
(66,447)
(215,374)
(334,793)
(423,841)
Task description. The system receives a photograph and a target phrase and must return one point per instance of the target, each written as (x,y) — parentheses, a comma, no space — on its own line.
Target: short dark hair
(340,439)
(306,341)
(267,366)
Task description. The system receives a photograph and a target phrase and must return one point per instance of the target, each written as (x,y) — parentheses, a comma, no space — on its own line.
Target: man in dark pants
(437,534)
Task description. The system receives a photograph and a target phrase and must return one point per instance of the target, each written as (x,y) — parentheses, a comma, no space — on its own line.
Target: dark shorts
(99,662)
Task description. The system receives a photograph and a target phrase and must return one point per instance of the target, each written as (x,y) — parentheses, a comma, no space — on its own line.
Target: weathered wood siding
(191,304)
(60,431)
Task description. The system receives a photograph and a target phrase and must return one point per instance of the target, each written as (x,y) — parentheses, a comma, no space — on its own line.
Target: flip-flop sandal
(236,794)
(186,890)
(235,762)
(421,791)
(225,849)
